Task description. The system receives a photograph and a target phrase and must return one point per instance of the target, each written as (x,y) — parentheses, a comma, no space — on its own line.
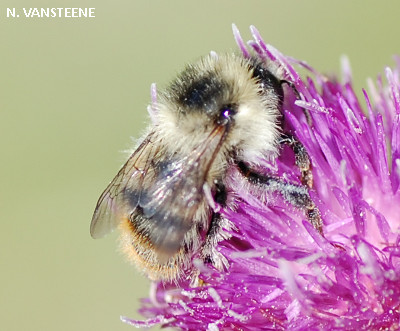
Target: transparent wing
(159,194)
(170,206)
(112,204)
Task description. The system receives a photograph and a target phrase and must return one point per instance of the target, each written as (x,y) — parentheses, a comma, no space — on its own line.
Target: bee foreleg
(297,94)
(302,158)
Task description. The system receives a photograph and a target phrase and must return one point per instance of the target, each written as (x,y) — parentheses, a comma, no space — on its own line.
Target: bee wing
(112,204)
(159,195)
(170,205)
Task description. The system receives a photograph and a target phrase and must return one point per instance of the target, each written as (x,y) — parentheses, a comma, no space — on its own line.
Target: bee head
(227,90)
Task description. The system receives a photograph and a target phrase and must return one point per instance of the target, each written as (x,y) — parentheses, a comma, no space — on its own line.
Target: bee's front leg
(302,158)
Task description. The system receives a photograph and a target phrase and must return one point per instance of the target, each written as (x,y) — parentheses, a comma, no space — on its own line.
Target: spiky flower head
(282,273)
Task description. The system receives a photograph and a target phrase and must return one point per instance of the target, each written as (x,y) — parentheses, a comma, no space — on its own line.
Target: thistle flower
(282,274)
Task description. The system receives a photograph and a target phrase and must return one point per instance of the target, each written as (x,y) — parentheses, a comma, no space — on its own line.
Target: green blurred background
(73,92)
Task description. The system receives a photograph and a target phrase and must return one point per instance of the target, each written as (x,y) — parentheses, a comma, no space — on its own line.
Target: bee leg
(301,155)
(302,158)
(297,94)
(296,195)
(215,231)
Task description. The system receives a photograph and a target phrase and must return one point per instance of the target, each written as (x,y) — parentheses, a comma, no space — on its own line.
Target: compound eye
(227,113)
